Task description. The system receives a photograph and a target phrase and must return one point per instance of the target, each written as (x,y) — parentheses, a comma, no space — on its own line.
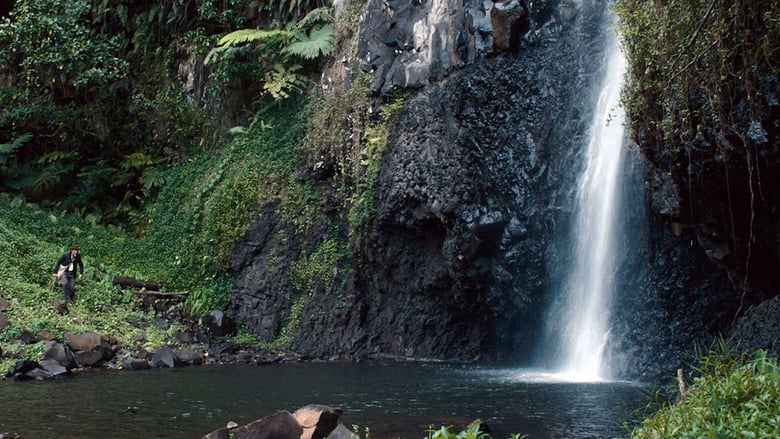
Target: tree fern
(243,36)
(319,42)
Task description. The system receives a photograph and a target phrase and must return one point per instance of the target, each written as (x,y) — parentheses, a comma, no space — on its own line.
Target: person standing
(66,269)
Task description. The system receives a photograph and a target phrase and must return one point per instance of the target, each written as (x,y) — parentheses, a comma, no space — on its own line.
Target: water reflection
(398,400)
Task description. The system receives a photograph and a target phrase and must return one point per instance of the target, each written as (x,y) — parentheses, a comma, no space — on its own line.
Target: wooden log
(160,293)
(126,282)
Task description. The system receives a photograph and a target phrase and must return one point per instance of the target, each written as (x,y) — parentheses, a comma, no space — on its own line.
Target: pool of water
(393,401)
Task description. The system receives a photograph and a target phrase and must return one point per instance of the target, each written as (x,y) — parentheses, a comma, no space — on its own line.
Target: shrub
(733,397)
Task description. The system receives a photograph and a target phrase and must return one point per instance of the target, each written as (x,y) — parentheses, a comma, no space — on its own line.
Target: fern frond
(51,176)
(56,156)
(153,177)
(9,148)
(281,80)
(243,36)
(321,15)
(321,41)
(137,160)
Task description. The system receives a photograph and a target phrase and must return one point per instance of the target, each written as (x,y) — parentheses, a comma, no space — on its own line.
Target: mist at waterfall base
(578,321)
(395,400)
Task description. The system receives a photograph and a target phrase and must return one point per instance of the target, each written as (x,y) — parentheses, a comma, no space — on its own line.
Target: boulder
(309,422)
(22,369)
(89,358)
(4,321)
(342,432)
(136,364)
(61,354)
(22,366)
(218,324)
(190,357)
(280,425)
(317,421)
(86,342)
(759,327)
(166,357)
(61,306)
(5,305)
(28,337)
(53,368)
(91,349)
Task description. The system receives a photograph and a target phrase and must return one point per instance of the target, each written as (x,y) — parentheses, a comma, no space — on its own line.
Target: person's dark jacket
(65,260)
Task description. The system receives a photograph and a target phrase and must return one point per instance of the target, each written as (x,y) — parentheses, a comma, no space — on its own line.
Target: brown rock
(317,421)
(86,342)
(280,425)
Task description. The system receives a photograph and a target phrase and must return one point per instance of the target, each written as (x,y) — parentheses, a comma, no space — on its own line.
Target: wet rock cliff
(473,207)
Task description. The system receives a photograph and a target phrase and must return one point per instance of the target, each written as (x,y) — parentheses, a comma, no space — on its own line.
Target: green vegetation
(732,397)
(691,61)
(31,239)
(105,148)
(473,431)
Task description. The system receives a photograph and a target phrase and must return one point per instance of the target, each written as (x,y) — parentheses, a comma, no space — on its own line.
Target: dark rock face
(759,327)
(474,207)
(475,185)
(669,299)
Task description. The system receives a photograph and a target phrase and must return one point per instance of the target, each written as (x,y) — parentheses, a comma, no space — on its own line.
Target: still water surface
(394,401)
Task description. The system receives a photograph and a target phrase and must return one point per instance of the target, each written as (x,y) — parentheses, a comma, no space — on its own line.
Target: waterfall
(584,315)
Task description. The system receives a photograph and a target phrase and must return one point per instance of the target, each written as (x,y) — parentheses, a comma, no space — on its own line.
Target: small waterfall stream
(584,316)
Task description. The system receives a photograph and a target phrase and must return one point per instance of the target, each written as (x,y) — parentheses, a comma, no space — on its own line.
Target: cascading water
(583,319)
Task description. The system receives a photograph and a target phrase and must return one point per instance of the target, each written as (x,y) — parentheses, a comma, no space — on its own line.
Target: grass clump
(734,396)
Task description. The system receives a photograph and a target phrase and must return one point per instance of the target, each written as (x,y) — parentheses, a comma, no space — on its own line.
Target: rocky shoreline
(208,340)
(205,340)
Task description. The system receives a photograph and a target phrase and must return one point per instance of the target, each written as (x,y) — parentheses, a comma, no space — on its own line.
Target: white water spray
(588,290)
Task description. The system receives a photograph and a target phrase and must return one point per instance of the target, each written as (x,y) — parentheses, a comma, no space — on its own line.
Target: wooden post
(681,385)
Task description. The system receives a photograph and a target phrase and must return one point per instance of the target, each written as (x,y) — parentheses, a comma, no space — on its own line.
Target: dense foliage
(702,98)
(154,162)
(692,62)
(99,98)
(731,397)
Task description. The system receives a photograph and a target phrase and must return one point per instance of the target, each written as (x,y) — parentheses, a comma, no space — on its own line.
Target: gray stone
(53,367)
(166,357)
(59,353)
